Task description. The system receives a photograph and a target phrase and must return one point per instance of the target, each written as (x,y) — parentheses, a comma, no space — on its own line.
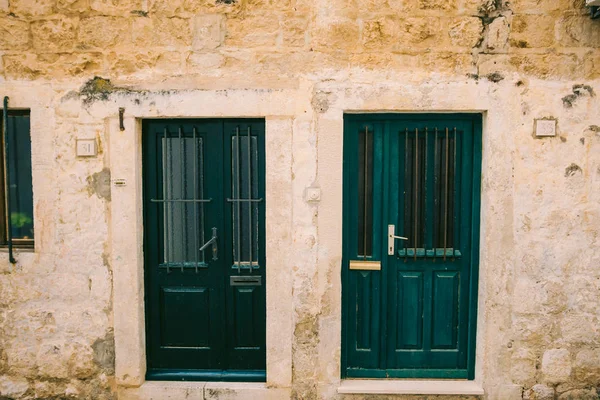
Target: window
(16,206)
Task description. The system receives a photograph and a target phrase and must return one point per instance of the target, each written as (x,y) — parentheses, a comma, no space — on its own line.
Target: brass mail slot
(365,265)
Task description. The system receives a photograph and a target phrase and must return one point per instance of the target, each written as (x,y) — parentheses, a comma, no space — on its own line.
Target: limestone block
(579,329)
(31,8)
(587,366)
(28,66)
(470,7)
(45,389)
(270,4)
(370,6)
(161,32)
(535,6)
(213,6)
(446,5)
(545,66)
(556,365)
(419,32)
(103,32)
(579,394)
(116,7)
(294,31)
(466,31)
(522,367)
(52,360)
(81,360)
(498,33)
(532,31)
(72,6)
(578,31)
(539,392)
(14,34)
(380,33)
(125,62)
(335,36)
(503,392)
(444,63)
(253,31)
(54,34)
(13,386)
(209,32)
(204,62)
(166,7)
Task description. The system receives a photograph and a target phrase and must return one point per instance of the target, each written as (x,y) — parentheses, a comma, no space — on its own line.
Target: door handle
(212,241)
(392,239)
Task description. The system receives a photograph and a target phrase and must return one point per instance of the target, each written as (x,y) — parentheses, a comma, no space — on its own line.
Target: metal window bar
(169,203)
(435,199)
(406,213)
(9,241)
(248,201)
(182,190)
(443,216)
(238,203)
(366,192)
(455,206)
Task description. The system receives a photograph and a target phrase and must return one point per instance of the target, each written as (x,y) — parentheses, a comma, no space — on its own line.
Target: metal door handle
(212,241)
(392,239)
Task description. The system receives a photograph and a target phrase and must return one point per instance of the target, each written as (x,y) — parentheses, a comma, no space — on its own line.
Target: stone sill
(401,386)
(170,390)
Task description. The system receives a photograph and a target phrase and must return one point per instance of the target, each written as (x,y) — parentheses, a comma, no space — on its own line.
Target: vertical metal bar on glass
(416,188)
(446,197)
(167,203)
(250,197)
(454,205)
(366,191)
(407,192)
(7,183)
(182,205)
(435,196)
(237,196)
(195,197)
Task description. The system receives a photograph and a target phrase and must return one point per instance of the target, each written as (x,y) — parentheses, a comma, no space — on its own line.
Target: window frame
(17,243)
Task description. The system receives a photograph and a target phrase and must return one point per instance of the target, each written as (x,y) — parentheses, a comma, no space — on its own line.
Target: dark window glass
(20,192)
(365,192)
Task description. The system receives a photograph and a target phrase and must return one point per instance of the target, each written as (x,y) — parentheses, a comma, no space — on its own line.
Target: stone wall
(538,324)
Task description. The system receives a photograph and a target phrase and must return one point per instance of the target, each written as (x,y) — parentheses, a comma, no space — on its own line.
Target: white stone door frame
(126,217)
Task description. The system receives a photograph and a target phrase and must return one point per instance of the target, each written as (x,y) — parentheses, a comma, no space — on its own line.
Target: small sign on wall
(545,127)
(86,148)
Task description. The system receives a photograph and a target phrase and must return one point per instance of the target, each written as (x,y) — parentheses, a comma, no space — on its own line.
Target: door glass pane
(365,192)
(183,185)
(429,194)
(19,166)
(444,189)
(244,192)
(414,188)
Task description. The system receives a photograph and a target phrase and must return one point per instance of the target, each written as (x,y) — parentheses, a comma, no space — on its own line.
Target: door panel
(179,304)
(197,319)
(424,179)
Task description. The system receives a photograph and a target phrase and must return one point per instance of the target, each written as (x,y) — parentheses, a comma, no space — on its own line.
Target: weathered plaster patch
(99,184)
(579,90)
(104,353)
(572,170)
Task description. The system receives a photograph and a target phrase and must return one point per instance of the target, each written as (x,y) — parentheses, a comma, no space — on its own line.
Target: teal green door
(204,242)
(411,245)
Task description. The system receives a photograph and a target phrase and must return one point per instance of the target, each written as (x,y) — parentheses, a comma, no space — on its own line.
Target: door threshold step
(402,386)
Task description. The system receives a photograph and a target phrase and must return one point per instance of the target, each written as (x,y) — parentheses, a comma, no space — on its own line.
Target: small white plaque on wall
(86,148)
(545,127)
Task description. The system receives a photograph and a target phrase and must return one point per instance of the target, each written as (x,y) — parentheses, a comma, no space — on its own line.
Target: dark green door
(411,228)
(204,247)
